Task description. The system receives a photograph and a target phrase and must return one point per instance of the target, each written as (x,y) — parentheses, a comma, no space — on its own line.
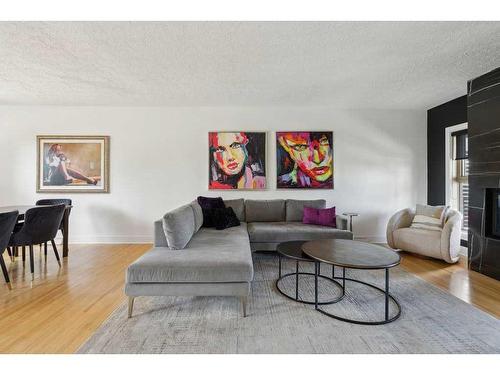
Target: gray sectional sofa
(190,260)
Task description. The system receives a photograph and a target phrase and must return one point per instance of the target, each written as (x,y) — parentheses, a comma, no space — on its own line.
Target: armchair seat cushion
(421,241)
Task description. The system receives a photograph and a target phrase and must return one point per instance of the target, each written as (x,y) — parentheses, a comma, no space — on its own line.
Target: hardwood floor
(65,306)
(472,287)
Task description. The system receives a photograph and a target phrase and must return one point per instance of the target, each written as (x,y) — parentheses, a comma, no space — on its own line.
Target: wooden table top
(351,254)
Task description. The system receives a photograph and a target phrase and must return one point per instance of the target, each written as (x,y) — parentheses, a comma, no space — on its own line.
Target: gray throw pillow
(179,227)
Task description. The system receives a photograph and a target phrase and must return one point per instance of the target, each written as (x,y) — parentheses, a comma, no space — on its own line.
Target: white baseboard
(109,239)
(121,239)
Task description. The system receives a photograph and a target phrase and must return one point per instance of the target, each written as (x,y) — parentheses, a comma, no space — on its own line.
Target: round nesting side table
(355,255)
(293,250)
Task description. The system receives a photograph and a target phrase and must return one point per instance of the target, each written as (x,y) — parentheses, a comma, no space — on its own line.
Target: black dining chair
(40,226)
(52,202)
(7,222)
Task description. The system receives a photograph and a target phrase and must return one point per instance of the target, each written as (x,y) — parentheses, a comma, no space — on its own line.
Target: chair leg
(45,248)
(5,272)
(244,301)
(9,253)
(24,253)
(55,252)
(130,306)
(32,263)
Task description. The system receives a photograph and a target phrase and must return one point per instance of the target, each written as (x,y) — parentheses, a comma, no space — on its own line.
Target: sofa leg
(244,301)
(130,306)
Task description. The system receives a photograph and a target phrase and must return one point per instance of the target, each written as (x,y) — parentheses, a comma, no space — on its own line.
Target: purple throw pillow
(211,203)
(320,216)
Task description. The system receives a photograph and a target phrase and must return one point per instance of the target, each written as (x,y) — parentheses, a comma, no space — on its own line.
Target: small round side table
(350,215)
(293,250)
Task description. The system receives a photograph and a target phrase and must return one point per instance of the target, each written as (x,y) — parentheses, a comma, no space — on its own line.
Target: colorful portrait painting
(237,160)
(73,164)
(304,160)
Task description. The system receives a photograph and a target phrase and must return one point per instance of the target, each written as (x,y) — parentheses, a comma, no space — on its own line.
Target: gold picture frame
(72,164)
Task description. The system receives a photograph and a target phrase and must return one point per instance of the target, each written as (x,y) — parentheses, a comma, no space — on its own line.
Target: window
(463,190)
(460,181)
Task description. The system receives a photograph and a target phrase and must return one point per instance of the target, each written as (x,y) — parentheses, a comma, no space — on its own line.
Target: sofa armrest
(342,222)
(401,219)
(160,239)
(451,236)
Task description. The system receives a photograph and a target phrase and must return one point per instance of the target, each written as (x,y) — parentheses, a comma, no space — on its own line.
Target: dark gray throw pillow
(207,206)
(225,218)
(208,202)
(238,206)
(220,218)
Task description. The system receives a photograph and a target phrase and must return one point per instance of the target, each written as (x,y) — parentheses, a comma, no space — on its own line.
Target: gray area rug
(432,321)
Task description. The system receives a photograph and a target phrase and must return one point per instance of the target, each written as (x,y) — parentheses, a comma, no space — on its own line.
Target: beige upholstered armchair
(443,244)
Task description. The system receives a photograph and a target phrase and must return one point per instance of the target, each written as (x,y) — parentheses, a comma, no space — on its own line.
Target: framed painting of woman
(237,160)
(304,159)
(72,164)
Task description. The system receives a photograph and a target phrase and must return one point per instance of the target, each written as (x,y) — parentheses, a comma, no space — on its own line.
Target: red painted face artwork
(306,159)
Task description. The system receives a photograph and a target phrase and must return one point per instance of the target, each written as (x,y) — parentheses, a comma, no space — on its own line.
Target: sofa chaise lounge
(219,262)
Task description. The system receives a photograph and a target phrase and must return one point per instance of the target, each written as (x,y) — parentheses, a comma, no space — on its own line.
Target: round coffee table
(293,250)
(355,255)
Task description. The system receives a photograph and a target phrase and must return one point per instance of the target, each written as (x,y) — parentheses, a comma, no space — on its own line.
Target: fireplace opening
(492,211)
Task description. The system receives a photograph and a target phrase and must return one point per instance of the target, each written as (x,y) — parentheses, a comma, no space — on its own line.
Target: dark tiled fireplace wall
(484,169)
(438,119)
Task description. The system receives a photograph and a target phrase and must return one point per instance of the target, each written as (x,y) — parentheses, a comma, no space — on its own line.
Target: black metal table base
(296,298)
(388,297)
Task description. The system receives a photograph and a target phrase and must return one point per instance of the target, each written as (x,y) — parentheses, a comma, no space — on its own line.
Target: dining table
(65,221)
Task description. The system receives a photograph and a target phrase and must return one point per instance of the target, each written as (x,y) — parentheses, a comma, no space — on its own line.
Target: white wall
(159,161)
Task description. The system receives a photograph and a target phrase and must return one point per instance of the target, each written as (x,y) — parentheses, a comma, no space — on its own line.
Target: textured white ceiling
(341,64)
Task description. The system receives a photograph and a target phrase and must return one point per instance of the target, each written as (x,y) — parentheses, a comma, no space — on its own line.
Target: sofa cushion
(422,241)
(198,215)
(265,210)
(238,206)
(212,256)
(179,226)
(295,207)
(292,231)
